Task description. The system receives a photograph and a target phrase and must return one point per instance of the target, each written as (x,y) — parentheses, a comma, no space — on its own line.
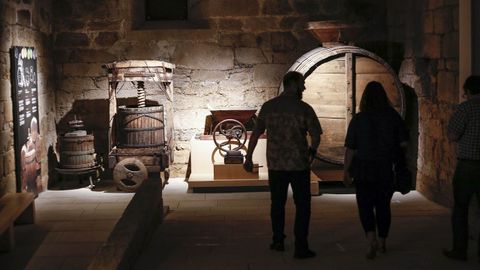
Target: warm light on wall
(465,44)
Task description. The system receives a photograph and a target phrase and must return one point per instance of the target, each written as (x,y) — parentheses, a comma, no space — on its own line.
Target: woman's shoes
(277,246)
(382,246)
(372,250)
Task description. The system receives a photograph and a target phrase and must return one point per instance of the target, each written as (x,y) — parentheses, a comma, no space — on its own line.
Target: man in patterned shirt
(464,128)
(287,120)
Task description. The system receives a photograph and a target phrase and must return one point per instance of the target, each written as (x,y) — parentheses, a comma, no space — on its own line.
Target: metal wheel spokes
(232,132)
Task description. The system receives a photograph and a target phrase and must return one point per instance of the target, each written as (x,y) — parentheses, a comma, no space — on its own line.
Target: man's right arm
(252,143)
(258,130)
(456,125)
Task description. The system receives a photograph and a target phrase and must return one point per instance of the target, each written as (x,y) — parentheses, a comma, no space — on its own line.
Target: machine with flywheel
(217,156)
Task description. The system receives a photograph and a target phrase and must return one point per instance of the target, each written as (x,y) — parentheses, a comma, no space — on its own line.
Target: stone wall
(25,23)
(231,54)
(428,30)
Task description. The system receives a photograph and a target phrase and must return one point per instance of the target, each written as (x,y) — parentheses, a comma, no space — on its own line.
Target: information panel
(26,121)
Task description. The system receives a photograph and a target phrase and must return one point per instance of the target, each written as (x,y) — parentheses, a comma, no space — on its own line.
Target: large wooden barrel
(141,127)
(335,79)
(77,152)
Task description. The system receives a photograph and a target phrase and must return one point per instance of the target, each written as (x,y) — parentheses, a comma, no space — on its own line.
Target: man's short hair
(291,80)
(472,84)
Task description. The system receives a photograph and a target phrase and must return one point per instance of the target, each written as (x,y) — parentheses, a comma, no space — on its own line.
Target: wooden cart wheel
(129,173)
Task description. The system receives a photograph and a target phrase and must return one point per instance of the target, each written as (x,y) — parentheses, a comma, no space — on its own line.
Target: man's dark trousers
(466,183)
(300,182)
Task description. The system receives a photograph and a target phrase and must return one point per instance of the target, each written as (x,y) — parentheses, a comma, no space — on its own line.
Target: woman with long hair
(374,138)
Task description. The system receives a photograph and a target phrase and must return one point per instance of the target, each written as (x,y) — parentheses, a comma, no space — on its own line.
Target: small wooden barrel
(77,152)
(141,127)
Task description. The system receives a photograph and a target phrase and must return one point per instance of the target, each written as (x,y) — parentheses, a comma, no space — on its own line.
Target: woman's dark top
(376,137)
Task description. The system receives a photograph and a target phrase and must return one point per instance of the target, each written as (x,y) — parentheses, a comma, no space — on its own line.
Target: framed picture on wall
(27,138)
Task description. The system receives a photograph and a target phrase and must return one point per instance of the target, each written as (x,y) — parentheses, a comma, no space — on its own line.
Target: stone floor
(229,231)
(70,227)
(232,231)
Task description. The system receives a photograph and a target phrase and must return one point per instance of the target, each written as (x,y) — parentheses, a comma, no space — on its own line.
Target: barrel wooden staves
(141,127)
(335,79)
(77,152)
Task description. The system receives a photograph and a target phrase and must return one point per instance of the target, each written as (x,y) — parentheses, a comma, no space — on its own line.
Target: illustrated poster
(26,122)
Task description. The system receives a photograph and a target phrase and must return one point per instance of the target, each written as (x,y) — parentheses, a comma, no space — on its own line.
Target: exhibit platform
(208,170)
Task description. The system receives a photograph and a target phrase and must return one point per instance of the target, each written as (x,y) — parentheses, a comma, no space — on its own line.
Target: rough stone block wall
(429,31)
(25,23)
(235,58)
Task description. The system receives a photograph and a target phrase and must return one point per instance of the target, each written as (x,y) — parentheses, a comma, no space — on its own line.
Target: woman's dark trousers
(373,203)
